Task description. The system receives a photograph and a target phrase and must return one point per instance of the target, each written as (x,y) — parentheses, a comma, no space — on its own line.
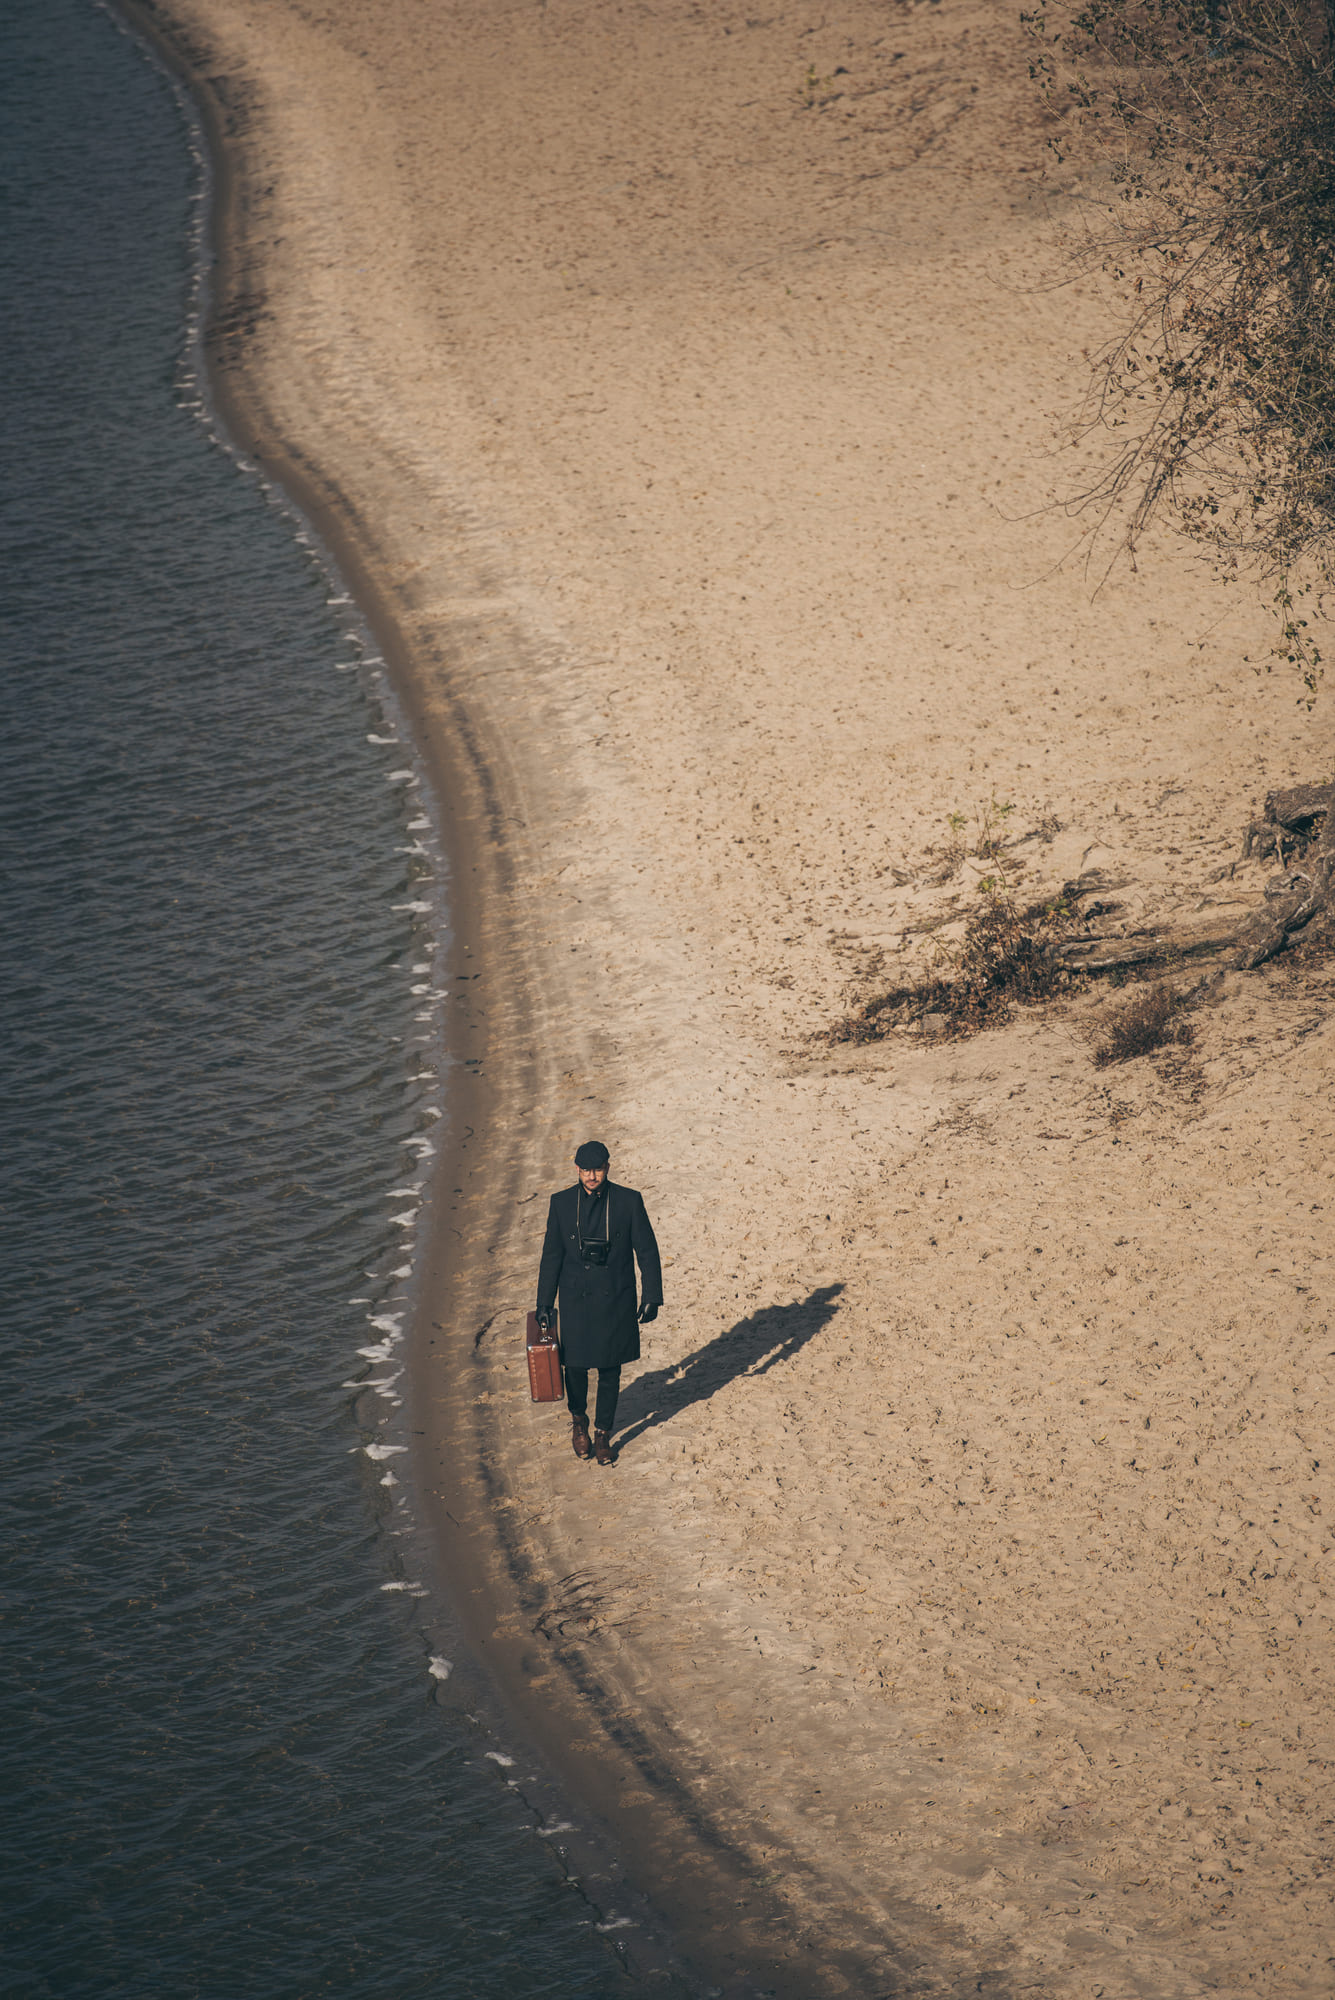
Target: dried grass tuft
(1006,955)
(1146,1022)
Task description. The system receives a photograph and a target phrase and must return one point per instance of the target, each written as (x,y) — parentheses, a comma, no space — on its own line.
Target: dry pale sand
(677,388)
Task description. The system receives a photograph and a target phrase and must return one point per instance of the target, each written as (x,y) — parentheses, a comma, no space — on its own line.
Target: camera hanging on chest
(594,1250)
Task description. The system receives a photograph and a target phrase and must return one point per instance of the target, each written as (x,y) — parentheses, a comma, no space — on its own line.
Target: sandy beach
(681,391)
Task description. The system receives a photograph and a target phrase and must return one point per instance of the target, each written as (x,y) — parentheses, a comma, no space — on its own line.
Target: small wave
(439,1668)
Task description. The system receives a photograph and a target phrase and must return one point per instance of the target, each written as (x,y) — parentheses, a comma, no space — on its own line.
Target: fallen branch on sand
(1011,955)
(1298,827)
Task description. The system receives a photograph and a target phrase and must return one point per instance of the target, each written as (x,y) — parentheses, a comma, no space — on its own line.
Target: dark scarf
(593,1215)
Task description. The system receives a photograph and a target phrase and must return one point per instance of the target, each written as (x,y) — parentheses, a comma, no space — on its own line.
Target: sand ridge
(681,375)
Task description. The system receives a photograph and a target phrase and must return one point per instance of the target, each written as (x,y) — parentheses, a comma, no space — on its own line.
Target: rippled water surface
(228,1766)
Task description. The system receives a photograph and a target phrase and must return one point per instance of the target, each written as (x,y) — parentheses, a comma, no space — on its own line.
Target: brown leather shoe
(579,1437)
(602,1448)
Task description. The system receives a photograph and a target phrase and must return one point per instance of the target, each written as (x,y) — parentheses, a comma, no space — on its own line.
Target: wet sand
(675,391)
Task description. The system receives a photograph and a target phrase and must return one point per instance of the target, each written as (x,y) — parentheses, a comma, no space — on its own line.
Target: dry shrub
(1145,1022)
(1207,132)
(1004,956)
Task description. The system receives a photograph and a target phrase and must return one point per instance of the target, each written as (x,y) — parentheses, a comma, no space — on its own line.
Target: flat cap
(593,1153)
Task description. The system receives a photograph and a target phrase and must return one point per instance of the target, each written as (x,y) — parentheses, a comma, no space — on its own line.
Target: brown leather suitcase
(544,1362)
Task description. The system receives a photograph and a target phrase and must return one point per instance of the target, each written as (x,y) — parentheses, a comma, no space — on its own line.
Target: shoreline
(479,1570)
(830,1831)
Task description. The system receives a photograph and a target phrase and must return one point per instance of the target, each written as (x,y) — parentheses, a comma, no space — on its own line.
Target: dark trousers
(577,1395)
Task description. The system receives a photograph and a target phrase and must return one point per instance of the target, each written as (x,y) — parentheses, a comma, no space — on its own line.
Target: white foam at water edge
(561,1826)
(400,1586)
(380,1353)
(390,1480)
(417,909)
(400,778)
(439,1668)
(392,1194)
(379,1451)
(499,1757)
(387,1322)
(404,1271)
(406,1220)
(618,1924)
(383,739)
(419,824)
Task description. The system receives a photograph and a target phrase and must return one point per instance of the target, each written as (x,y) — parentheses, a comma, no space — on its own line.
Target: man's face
(592,1178)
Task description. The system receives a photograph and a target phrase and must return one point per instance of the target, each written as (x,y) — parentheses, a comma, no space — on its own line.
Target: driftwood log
(1290,822)
(1148,945)
(1302,823)
(1298,828)
(1008,954)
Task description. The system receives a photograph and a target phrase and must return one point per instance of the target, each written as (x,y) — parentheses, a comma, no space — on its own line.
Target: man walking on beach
(595,1232)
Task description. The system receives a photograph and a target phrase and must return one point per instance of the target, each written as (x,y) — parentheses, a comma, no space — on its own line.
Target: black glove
(544,1321)
(647,1312)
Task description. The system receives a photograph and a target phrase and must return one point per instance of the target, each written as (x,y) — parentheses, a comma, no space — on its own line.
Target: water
(229,1766)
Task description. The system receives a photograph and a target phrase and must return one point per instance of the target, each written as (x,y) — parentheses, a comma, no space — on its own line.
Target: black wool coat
(599,1328)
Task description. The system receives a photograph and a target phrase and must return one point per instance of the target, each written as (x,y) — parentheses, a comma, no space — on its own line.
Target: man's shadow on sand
(752,1347)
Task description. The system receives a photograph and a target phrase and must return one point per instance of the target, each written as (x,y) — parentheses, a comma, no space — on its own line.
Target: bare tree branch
(1212,128)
